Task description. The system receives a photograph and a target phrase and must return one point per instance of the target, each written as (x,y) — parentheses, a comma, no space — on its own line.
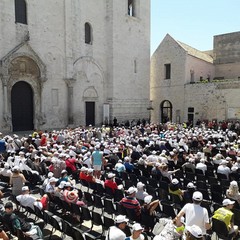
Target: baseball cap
(195,231)
(6,166)
(83,169)
(140,185)
(52,179)
(67,184)
(148,199)
(131,190)
(227,202)
(197,196)
(90,170)
(234,183)
(175,181)
(62,185)
(25,188)
(121,219)
(111,175)
(190,185)
(137,227)
(63,171)
(50,174)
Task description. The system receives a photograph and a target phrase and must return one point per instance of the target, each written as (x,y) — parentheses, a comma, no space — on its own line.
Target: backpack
(25,226)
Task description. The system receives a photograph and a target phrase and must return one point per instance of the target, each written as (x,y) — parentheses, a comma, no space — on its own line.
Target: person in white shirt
(224,169)
(141,193)
(195,214)
(202,166)
(116,232)
(6,172)
(26,199)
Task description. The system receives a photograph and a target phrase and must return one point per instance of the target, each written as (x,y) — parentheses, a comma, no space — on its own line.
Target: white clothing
(26,200)
(202,166)
(6,172)
(114,233)
(196,215)
(224,170)
(141,194)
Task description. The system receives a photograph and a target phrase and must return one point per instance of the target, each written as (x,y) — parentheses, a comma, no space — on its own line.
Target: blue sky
(193,22)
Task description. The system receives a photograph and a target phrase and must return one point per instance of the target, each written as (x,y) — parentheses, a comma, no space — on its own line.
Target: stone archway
(22,107)
(22,64)
(24,92)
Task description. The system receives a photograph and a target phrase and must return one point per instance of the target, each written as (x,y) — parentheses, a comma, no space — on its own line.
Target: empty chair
(153,182)
(107,222)
(120,209)
(97,220)
(100,189)
(168,209)
(118,195)
(97,202)
(108,206)
(85,214)
(220,228)
(88,198)
(109,192)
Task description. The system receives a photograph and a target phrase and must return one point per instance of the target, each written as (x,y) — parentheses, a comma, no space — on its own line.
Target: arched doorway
(22,106)
(166,111)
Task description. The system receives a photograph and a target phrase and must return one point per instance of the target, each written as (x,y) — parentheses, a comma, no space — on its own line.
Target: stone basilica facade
(73,62)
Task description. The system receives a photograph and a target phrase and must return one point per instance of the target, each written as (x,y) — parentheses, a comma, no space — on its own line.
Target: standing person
(117,232)
(195,214)
(17,181)
(97,161)
(225,214)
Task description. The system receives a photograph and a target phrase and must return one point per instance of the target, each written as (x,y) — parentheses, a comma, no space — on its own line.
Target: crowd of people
(58,160)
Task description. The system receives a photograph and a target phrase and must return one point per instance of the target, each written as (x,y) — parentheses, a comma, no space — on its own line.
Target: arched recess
(22,106)
(90,97)
(166,111)
(23,64)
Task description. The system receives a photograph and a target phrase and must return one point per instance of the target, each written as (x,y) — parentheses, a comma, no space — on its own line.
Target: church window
(167,71)
(20,11)
(88,33)
(131,8)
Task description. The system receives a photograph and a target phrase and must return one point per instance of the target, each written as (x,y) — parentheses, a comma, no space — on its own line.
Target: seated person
(188,193)
(14,222)
(141,193)
(83,173)
(90,177)
(130,202)
(28,200)
(174,188)
(168,229)
(110,182)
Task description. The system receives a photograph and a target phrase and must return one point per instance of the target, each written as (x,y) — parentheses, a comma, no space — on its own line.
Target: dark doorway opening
(90,113)
(22,107)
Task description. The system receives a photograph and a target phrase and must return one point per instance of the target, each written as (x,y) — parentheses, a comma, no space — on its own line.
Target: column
(70,82)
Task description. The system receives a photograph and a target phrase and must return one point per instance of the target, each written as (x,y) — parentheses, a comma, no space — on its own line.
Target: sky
(193,22)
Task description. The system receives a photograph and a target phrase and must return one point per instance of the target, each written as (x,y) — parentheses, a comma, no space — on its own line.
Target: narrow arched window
(88,33)
(20,11)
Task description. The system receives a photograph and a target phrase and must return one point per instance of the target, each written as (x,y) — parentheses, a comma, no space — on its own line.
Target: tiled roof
(196,53)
